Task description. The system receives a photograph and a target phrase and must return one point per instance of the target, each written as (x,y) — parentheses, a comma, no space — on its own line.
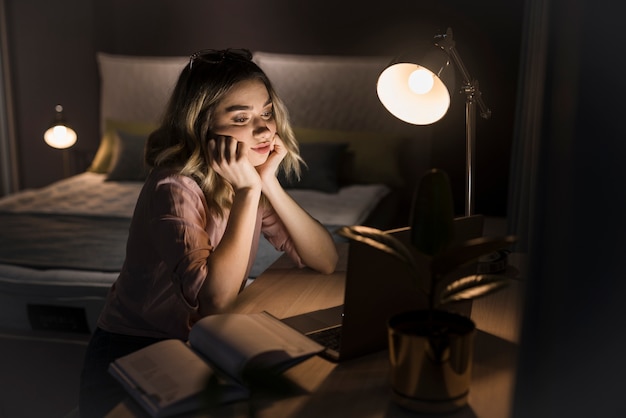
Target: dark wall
(51,54)
(52,45)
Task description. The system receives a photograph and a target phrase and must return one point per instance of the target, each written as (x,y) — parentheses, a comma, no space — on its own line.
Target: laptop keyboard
(329,337)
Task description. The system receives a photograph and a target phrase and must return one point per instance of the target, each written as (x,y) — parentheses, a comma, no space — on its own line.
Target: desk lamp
(419,92)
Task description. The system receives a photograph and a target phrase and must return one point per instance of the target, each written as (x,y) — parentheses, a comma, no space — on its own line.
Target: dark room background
(52,47)
(571,353)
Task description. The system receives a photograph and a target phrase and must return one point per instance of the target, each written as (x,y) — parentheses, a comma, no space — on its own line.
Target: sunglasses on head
(217,56)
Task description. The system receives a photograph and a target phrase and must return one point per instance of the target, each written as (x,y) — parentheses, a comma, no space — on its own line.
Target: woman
(210,194)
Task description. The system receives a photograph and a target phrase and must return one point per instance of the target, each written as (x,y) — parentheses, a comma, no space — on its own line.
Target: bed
(62,245)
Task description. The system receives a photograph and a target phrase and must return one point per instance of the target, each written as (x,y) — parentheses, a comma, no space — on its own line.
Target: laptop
(377,287)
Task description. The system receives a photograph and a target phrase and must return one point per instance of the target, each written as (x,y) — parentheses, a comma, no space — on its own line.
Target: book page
(232,341)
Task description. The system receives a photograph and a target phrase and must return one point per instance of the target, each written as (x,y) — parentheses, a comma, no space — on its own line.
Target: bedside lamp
(59,134)
(418,91)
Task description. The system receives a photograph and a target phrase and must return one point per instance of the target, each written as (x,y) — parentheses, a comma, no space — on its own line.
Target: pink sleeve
(179,234)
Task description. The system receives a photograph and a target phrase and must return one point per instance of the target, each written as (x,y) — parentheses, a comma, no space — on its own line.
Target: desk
(360,387)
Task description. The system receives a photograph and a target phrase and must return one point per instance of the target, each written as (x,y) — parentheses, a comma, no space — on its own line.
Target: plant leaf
(467,252)
(472,287)
(380,240)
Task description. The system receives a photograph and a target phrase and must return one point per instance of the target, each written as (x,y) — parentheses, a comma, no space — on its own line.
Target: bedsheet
(85,194)
(81,223)
(54,241)
(88,194)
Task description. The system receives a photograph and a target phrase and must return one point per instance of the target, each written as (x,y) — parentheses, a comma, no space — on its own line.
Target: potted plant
(430,349)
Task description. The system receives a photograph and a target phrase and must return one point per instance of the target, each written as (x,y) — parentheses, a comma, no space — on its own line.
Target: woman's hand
(268,170)
(229,159)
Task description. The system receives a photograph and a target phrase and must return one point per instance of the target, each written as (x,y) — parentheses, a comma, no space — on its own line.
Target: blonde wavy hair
(180,142)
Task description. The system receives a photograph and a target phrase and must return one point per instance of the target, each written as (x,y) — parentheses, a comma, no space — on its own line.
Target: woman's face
(246,113)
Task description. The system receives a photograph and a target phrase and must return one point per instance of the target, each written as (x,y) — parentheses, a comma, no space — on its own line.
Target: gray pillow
(127,163)
(323,161)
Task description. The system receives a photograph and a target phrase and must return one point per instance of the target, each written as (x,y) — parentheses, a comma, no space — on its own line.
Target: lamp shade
(59,135)
(417,90)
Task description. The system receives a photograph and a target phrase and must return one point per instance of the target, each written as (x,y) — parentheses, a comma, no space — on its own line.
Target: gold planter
(431,360)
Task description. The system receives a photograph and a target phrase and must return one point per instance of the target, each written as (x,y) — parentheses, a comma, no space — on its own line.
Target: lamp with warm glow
(420,92)
(59,135)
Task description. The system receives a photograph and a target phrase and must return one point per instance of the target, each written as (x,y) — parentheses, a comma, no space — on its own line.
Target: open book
(169,377)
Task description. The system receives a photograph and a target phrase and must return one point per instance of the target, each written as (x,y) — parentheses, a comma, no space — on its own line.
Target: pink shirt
(170,239)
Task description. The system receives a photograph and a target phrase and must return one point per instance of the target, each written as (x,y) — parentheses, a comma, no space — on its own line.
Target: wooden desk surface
(360,387)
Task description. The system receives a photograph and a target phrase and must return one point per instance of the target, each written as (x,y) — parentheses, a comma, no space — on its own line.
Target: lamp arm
(470,86)
(473,98)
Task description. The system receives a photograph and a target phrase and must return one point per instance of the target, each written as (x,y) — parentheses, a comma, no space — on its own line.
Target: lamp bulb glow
(60,136)
(421,81)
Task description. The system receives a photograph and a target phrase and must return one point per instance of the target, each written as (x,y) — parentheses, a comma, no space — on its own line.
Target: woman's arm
(311,239)
(226,266)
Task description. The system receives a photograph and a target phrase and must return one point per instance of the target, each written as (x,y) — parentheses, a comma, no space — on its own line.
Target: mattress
(61,246)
